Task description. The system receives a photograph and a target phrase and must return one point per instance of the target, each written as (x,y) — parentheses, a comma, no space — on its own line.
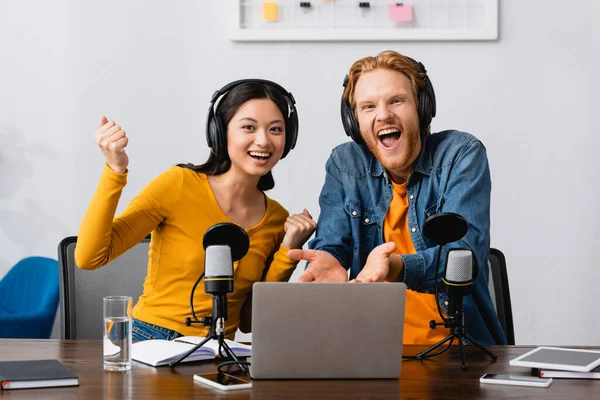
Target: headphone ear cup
(214,134)
(291,133)
(211,133)
(219,138)
(426,104)
(423,111)
(350,123)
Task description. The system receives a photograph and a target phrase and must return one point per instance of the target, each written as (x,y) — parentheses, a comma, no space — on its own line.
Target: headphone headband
(218,93)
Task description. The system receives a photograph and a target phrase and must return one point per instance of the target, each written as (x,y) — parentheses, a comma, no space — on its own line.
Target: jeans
(145,331)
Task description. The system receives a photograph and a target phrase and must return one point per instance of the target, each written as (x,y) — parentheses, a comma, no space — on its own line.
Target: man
(380,189)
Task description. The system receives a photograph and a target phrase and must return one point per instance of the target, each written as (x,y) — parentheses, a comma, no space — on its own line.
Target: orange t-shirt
(420,307)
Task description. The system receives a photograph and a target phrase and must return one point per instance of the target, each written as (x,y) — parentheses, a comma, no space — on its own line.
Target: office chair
(500,293)
(82,291)
(29,298)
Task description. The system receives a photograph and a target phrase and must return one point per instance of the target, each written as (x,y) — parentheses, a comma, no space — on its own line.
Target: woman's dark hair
(225,110)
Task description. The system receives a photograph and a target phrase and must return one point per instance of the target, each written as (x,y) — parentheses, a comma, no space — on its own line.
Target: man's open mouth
(389,137)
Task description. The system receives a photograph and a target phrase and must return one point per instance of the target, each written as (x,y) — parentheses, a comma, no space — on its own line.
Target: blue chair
(29,299)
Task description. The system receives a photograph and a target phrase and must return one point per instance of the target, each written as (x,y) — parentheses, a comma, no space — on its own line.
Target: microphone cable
(437,267)
(188,321)
(238,367)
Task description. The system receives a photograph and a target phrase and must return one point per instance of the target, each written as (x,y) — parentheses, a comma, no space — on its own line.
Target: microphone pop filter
(445,227)
(230,235)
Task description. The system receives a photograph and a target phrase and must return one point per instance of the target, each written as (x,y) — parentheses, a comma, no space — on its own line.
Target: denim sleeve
(467,192)
(334,232)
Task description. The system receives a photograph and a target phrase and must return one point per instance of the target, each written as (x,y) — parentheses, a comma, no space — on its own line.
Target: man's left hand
(377,267)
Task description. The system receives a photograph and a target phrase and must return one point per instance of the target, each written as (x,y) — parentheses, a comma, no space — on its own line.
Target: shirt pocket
(435,207)
(431,210)
(364,225)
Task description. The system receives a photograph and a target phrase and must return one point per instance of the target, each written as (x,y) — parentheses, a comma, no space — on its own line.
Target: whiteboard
(351,20)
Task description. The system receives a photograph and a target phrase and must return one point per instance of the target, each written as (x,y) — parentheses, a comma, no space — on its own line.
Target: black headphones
(425,108)
(216,131)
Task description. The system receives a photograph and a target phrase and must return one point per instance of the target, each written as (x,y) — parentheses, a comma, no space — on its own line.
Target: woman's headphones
(425,108)
(216,130)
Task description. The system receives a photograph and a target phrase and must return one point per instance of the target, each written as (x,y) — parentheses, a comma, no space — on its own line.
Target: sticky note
(270,11)
(401,12)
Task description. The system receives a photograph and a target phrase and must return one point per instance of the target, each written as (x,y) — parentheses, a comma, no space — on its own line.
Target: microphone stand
(456,323)
(217,331)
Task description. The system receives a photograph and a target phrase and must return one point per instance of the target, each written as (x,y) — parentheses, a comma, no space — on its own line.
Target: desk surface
(439,378)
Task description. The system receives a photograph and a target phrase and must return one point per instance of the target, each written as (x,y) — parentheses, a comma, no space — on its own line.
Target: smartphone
(223,381)
(517,380)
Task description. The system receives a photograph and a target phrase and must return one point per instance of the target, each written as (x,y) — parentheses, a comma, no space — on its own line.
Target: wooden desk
(440,378)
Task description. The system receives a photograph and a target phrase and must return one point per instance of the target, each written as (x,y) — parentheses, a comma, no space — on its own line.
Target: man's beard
(404,154)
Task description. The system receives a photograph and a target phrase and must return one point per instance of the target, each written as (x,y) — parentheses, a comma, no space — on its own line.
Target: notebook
(160,352)
(327,330)
(35,374)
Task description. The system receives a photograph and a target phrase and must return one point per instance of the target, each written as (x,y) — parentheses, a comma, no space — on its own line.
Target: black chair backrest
(500,293)
(82,291)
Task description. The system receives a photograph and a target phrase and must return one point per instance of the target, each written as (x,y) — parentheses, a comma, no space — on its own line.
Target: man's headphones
(216,130)
(425,108)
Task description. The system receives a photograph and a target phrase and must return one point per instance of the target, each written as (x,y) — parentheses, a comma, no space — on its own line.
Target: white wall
(152,66)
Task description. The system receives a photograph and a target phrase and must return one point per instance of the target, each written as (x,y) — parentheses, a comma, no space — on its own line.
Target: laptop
(327,330)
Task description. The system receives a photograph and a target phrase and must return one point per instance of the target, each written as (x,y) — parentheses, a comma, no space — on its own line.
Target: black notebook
(35,374)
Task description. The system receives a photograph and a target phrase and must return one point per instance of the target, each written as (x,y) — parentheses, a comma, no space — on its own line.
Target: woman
(253,126)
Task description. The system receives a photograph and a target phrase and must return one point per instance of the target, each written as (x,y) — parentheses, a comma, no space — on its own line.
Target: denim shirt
(451,175)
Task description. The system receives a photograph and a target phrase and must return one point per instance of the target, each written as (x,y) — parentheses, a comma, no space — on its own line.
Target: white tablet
(559,358)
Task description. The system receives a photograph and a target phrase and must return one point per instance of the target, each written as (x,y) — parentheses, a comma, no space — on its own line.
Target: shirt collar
(424,164)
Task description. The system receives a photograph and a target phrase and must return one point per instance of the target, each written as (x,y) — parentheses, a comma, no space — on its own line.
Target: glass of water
(117,333)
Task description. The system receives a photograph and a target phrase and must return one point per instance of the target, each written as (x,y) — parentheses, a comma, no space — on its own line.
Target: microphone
(441,229)
(218,270)
(458,279)
(459,271)
(218,281)
(223,243)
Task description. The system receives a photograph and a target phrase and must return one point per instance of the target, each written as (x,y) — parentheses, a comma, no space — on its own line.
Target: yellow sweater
(178,207)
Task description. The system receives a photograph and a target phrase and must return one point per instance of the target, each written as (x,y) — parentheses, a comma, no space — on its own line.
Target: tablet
(559,358)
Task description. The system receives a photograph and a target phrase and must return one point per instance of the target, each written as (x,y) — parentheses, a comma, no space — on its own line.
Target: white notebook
(162,352)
